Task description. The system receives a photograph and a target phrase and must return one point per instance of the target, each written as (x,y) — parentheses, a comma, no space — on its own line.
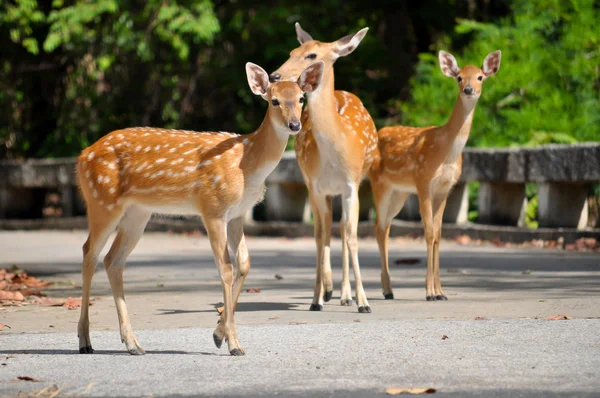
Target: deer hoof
(86,350)
(218,340)
(389,296)
(237,352)
(316,307)
(430,298)
(364,309)
(328,295)
(346,302)
(441,297)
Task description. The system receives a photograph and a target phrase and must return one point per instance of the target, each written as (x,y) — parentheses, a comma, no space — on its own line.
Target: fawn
(335,149)
(129,174)
(426,161)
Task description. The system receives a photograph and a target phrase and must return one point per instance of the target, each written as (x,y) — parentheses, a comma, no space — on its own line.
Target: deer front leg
(318,205)
(237,245)
(427,217)
(346,297)
(438,214)
(350,218)
(217,233)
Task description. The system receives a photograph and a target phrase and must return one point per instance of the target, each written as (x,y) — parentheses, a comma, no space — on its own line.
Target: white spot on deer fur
(110,207)
(157,147)
(91,155)
(161,160)
(218,157)
(147,149)
(189,168)
(205,163)
(421,157)
(172,150)
(245,141)
(87,174)
(100,179)
(90,184)
(112,190)
(121,136)
(95,194)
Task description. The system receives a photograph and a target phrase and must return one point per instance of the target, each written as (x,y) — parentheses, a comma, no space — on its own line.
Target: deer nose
(468,90)
(274,77)
(294,125)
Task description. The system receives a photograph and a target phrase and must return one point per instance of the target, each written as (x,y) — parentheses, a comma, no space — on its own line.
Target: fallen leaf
(278,277)
(559,317)
(49,302)
(407,261)
(27,378)
(480,318)
(2,326)
(497,242)
(413,391)
(15,296)
(253,290)
(73,303)
(444,337)
(356,320)
(463,239)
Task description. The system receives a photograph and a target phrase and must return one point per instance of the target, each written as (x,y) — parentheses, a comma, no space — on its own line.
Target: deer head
(470,78)
(311,51)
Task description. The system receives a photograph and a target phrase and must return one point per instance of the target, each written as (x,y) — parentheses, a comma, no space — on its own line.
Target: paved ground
(172,289)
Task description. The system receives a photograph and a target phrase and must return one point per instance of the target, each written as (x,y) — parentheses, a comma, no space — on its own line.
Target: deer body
(426,161)
(335,149)
(130,174)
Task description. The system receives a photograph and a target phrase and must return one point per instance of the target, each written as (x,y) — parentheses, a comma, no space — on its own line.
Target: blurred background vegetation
(71,71)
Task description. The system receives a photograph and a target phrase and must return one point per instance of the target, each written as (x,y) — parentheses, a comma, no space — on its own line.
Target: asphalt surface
(172,288)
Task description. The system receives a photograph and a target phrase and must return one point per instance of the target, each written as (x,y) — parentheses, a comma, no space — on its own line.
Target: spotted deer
(129,174)
(335,149)
(426,161)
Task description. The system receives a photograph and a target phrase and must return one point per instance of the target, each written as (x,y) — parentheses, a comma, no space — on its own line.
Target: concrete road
(172,288)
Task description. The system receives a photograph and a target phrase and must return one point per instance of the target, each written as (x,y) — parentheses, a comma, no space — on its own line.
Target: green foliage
(547,89)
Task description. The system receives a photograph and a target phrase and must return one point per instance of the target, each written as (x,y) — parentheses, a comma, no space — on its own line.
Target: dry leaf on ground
(74,303)
(480,318)
(357,320)
(15,296)
(407,261)
(27,378)
(413,391)
(497,242)
(444,337)
(2,326)
(559,317)
(253,290)
(463,239)
(50,302)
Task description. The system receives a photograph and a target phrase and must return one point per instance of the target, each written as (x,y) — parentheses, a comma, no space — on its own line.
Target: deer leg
(217,233)
(438,213)
(387,205)
(101,225)
(346,291)
(350,218)
(237,245)
(131,228)
(318,205)
(427,217)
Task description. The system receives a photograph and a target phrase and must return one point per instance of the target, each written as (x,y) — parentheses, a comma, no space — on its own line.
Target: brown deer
(426,161)
(129,174)
(335,149)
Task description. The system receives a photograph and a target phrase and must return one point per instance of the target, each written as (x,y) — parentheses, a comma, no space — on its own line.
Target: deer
(129,174)
(426,161)
(335,150)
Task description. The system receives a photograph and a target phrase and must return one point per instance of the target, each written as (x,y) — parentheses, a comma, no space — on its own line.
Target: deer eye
(459,79)
(301,100)
(480,78)
(275,102)
(311,56)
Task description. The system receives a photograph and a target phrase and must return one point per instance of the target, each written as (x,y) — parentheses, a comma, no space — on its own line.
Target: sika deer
(335,150)
(130,174)
(426,161)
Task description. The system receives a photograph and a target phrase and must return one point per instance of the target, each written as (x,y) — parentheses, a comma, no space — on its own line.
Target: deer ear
(448,64)
(310,78)
(347,44)
(491,63)
(258,79)
(302,35)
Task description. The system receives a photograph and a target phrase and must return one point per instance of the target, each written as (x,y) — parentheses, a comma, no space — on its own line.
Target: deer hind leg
(237,245)
(131,228)
(425,207)
(350,219)
(321,208)
(438,213)
(101,225)
(387,204)
(217,233)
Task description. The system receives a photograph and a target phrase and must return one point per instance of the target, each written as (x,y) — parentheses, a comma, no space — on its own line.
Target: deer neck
(265,146)
(458,127)
(322,107)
